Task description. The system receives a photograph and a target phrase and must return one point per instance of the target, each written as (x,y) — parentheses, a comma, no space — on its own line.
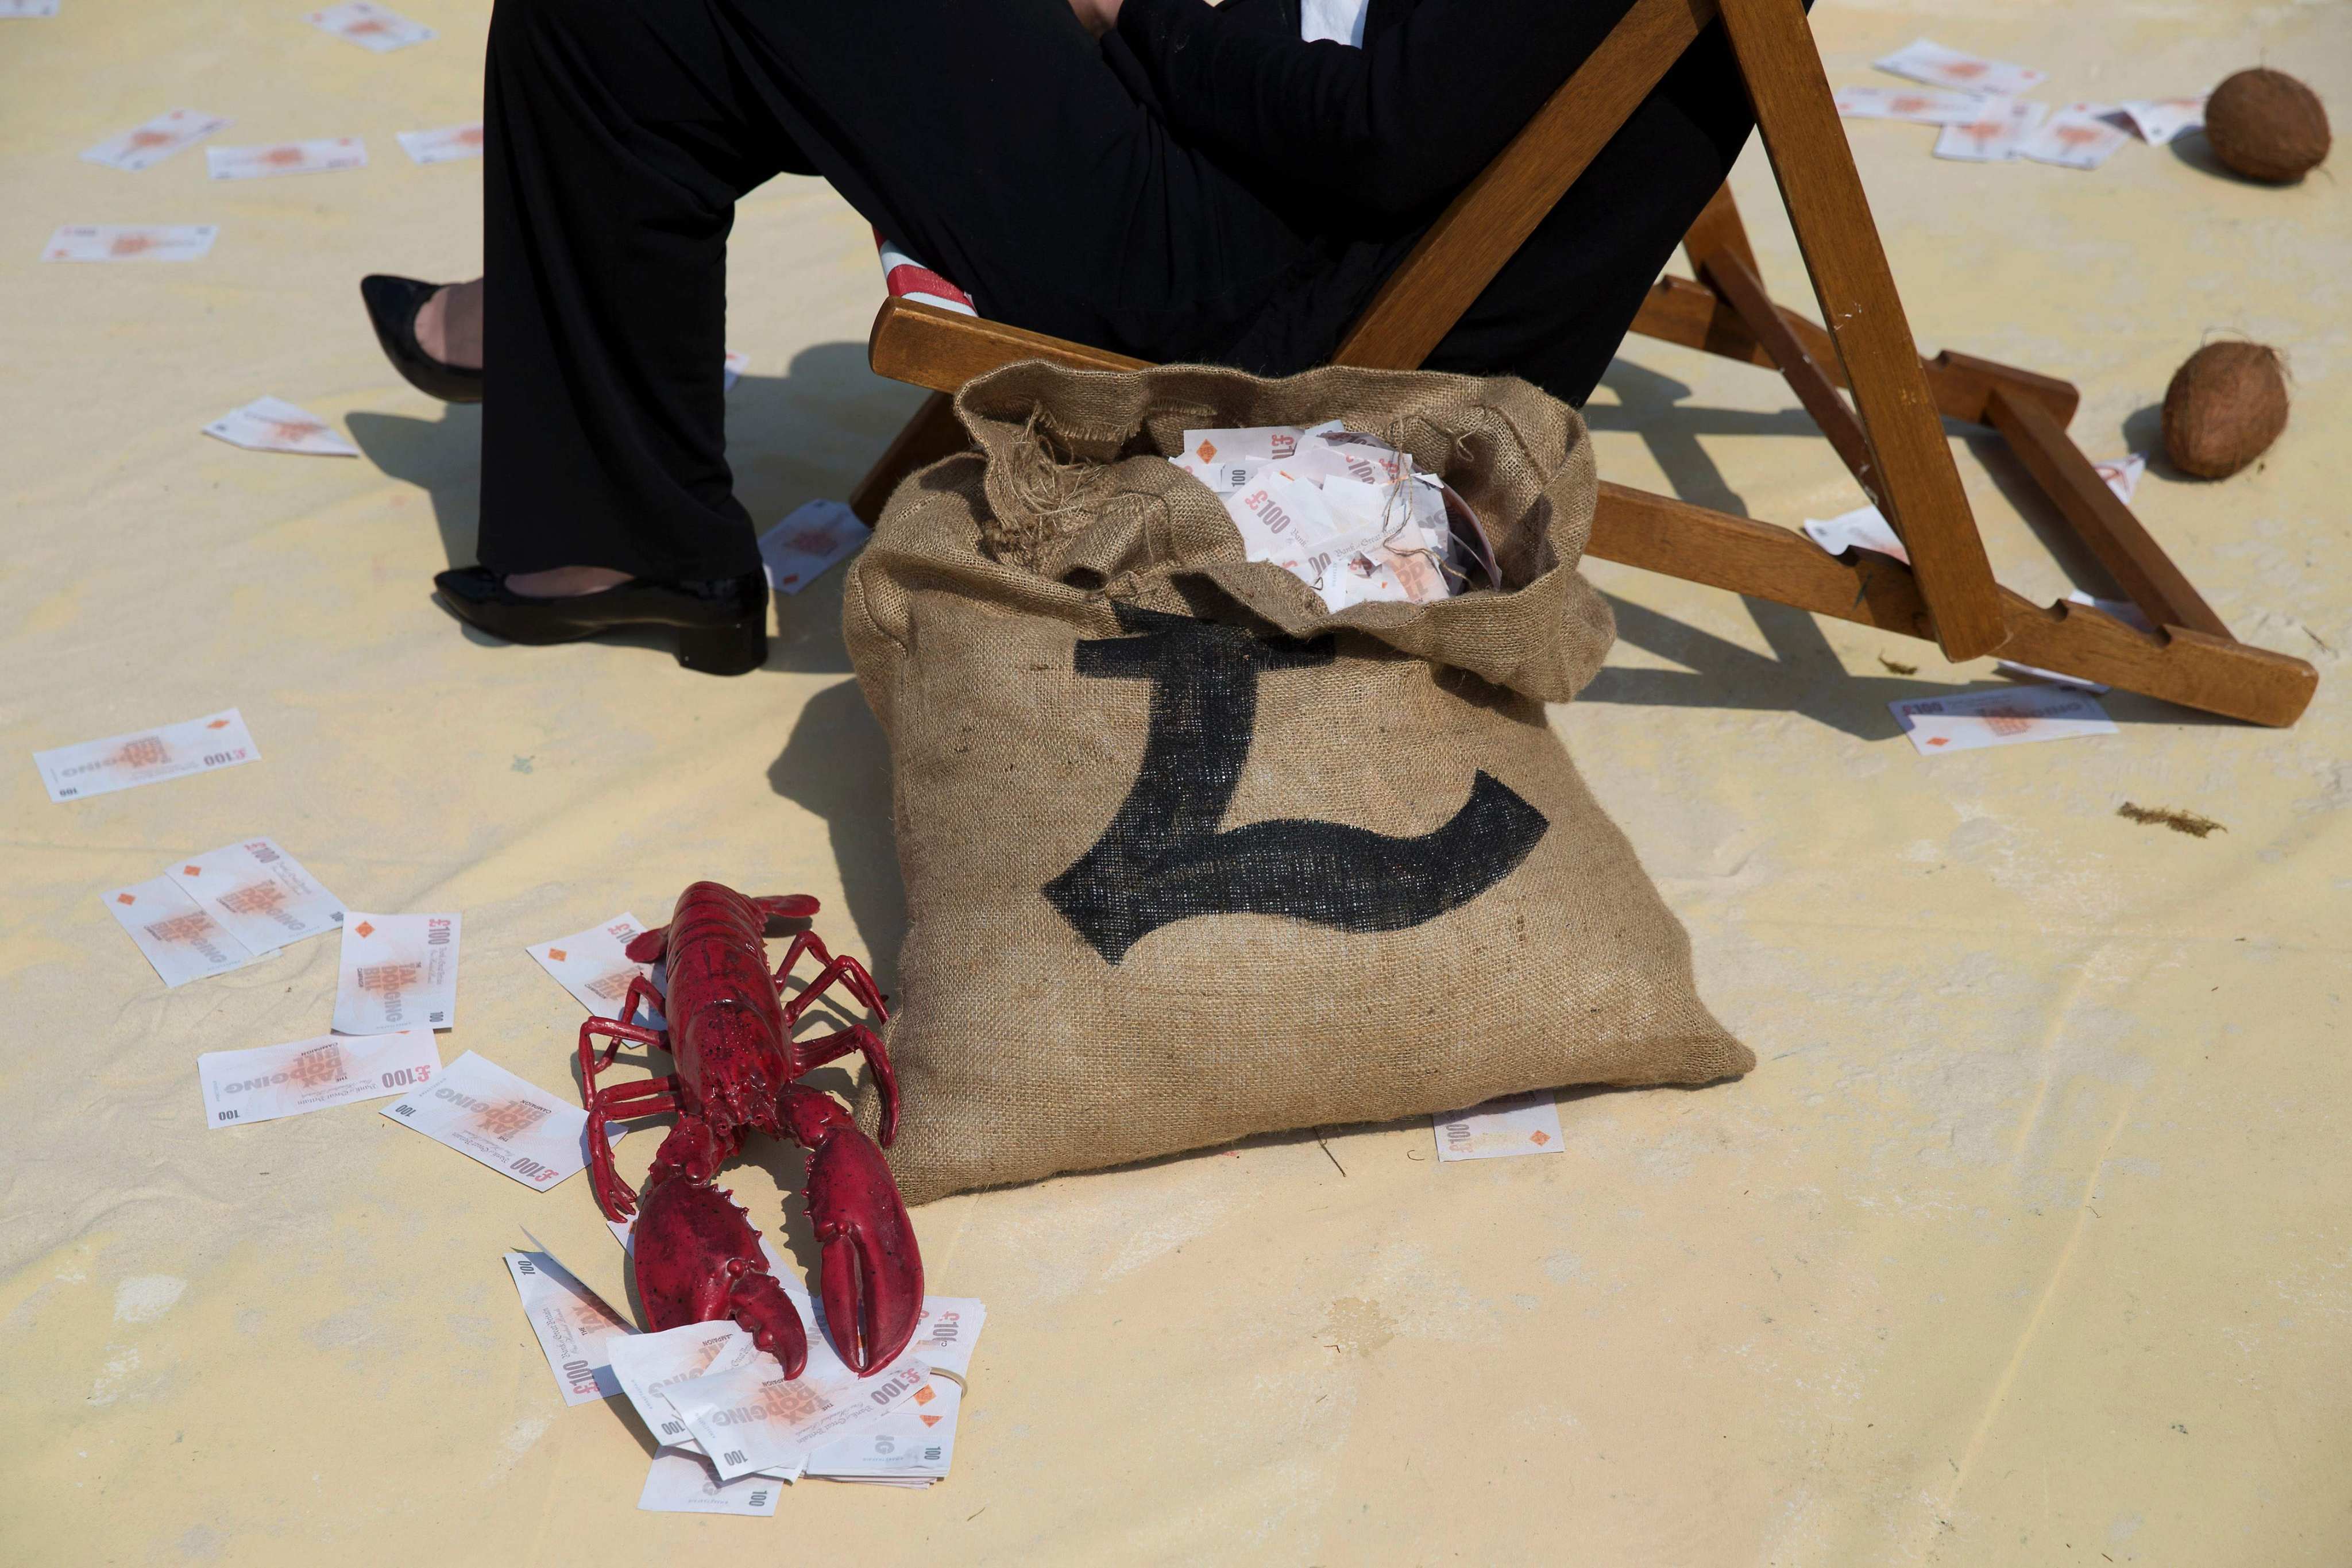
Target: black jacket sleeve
(1392,127)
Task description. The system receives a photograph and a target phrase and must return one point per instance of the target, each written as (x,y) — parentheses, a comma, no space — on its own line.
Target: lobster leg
(856,1037)
(870,1272)
(845,968)
(622,1102)
(613,1195)
(697,1259)
(859,1040)
(640,990)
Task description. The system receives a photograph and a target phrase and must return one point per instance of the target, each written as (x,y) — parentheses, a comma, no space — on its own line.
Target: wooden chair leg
(2138,565)
(931,433)
(2179,663)
(1822,191)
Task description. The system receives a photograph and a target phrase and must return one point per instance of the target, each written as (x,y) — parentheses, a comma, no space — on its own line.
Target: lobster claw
(870,1271)
(697,1259)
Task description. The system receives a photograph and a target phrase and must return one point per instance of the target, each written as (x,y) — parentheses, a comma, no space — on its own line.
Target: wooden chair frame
(1891,437)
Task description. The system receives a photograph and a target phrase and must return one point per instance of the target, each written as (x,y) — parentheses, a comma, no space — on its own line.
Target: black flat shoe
(722,626)
(391,306)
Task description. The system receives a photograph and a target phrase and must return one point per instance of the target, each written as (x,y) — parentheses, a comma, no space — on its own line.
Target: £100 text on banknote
(146,756)
(397,971)
(508,1124)
(267,1082)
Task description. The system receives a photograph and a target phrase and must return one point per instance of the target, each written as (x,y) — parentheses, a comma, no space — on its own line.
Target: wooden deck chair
(1891,436)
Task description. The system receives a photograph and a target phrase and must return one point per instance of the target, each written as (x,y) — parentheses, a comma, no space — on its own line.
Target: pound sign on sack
(1164,858)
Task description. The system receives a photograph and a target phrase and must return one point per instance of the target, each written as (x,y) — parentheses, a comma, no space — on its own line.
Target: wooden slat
(931,433)
(1965,382)
(1487,223)
(2140,565)
(1660,534)
(1677,310)
(1744,291)
(1823,194)
(926,346)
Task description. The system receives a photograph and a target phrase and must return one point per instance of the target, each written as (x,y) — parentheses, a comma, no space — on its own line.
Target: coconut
(2267,126)
(2226,405)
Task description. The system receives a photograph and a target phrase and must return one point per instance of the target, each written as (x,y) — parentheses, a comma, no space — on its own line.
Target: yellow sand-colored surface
(2027,1242)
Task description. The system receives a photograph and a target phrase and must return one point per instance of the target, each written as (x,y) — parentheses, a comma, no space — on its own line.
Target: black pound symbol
(1163,859)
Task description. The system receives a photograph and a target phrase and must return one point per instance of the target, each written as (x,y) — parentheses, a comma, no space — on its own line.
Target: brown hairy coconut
(2226,405)
(2267,126)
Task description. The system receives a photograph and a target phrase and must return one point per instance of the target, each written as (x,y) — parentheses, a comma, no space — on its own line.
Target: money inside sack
(1344,512)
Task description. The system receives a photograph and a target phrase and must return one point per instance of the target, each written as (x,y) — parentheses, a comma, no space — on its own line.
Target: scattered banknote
(2012,718)
(371,27)
(147,756)
(593,966)
(916,1442)
(28,7)
(1514,1124)
(444,146)
(680,1482)
(576,1331)
(151,144)
(131,242)
(260,893)
(1994,136)
(751,1419)
(2160,120)
(285,158)
(273,425)
(646,1365)
(1918,105)
(508,1123)
(1924,60)
(731,369)
(269,1081)
(812,537)
(173,930)
(397,971)
(912,1443)
(2078,136)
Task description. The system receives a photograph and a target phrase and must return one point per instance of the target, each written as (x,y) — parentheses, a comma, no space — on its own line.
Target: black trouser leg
(609,190)
(988,137)
(1559,308)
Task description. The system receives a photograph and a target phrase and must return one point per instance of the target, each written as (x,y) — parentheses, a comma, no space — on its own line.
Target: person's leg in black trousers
(620,134)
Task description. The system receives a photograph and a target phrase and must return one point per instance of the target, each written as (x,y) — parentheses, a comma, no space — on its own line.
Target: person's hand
(1098,16)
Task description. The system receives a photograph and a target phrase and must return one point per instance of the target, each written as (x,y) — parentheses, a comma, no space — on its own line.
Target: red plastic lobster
(698,1258)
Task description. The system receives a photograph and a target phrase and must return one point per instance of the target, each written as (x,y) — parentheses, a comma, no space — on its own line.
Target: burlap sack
(1188,858)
